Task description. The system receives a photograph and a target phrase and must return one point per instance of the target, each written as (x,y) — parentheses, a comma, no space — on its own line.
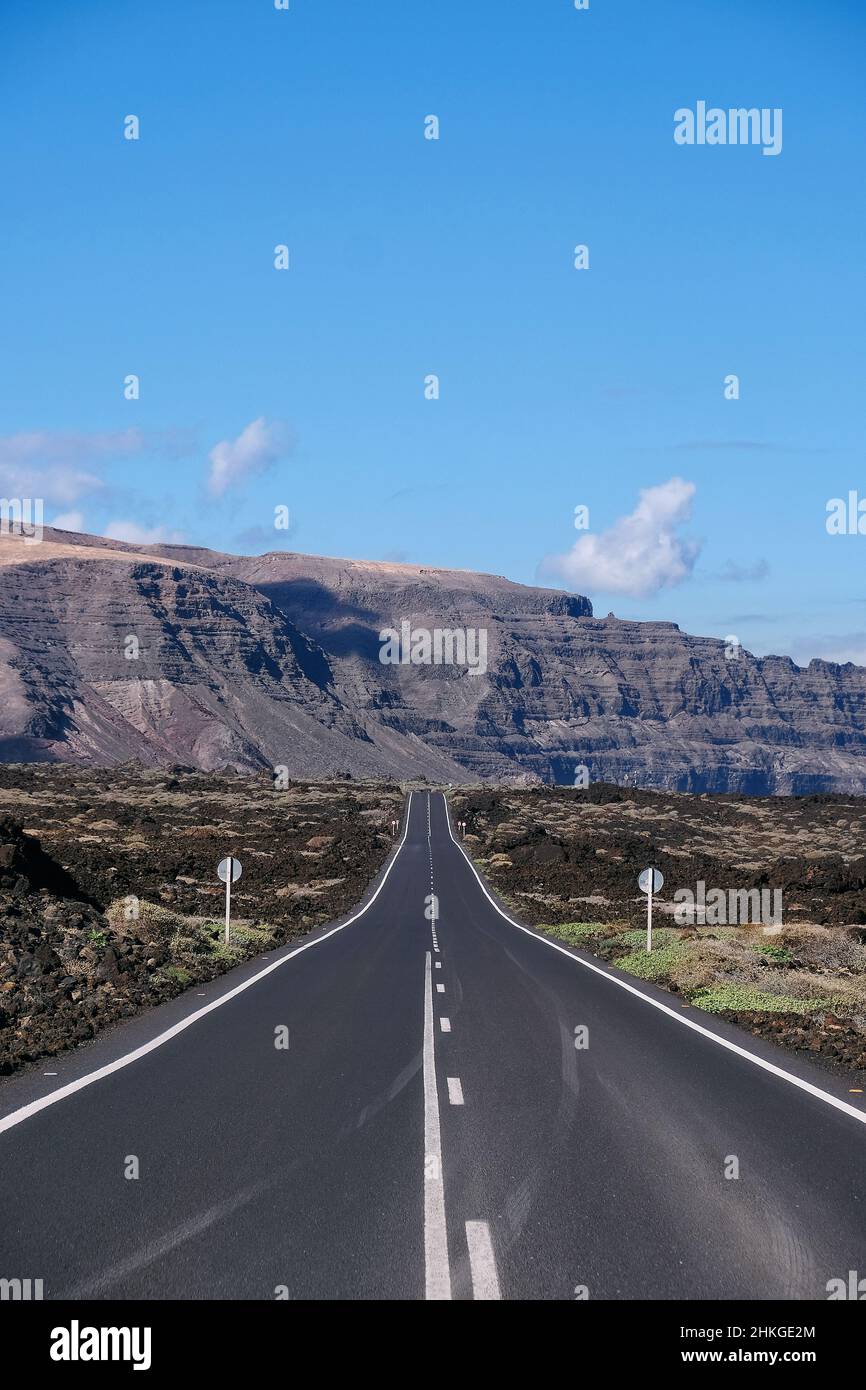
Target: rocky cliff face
(274,660)
(118,656)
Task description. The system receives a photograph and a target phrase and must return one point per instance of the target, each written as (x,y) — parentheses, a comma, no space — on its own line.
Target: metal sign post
(229,871)
(650,881)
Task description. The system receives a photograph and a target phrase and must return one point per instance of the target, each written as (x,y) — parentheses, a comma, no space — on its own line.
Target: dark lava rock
(838,1041)
(24,867)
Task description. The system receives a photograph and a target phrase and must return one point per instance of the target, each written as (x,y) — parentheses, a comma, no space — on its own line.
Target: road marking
(445,1025)
(438,965)
(482,1262)
(436,1268)
(17,1117)
(729,1046)
(155,1249)
(455,1090)
(440,989)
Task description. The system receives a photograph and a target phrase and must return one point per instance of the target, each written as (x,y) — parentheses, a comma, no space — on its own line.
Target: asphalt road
(431,1130)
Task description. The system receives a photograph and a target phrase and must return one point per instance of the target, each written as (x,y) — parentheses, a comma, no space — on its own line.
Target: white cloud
(68,446)
(256,449)
(641,553)
(56,483)
(135,534)
(56,464)
(69,521)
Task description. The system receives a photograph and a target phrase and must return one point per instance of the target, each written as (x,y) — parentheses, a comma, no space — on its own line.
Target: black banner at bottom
(152,1338)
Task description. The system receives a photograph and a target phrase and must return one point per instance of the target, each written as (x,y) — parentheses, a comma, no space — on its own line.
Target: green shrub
(636,940)
(573,933)
(780,955)
(654,965)
(744,998)
(178,974)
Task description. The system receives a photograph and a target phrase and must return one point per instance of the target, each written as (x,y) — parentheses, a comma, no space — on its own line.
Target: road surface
(431,1129)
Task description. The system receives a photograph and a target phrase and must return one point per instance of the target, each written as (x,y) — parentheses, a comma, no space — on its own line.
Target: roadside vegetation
(567,862)
(806,989)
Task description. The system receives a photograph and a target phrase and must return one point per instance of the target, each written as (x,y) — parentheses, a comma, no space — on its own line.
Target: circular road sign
(650,880)
(223,869)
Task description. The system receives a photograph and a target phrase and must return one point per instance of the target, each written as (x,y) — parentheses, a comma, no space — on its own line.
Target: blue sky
(410,257)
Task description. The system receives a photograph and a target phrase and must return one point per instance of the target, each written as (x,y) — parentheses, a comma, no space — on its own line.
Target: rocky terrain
(165,654)
(109,900)
(567,861)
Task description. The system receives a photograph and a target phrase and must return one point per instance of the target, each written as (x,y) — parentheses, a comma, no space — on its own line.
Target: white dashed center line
(455,1090)
(445,1025)
(482,1262)
(436,1267)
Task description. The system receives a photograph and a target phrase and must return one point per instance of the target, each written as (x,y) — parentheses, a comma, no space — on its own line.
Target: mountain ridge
(273,660)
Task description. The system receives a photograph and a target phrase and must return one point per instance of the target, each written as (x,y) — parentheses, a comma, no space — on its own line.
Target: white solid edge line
(437,1271)
(16,1117)
(455,1090)
(482,1262)
(771,1067)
